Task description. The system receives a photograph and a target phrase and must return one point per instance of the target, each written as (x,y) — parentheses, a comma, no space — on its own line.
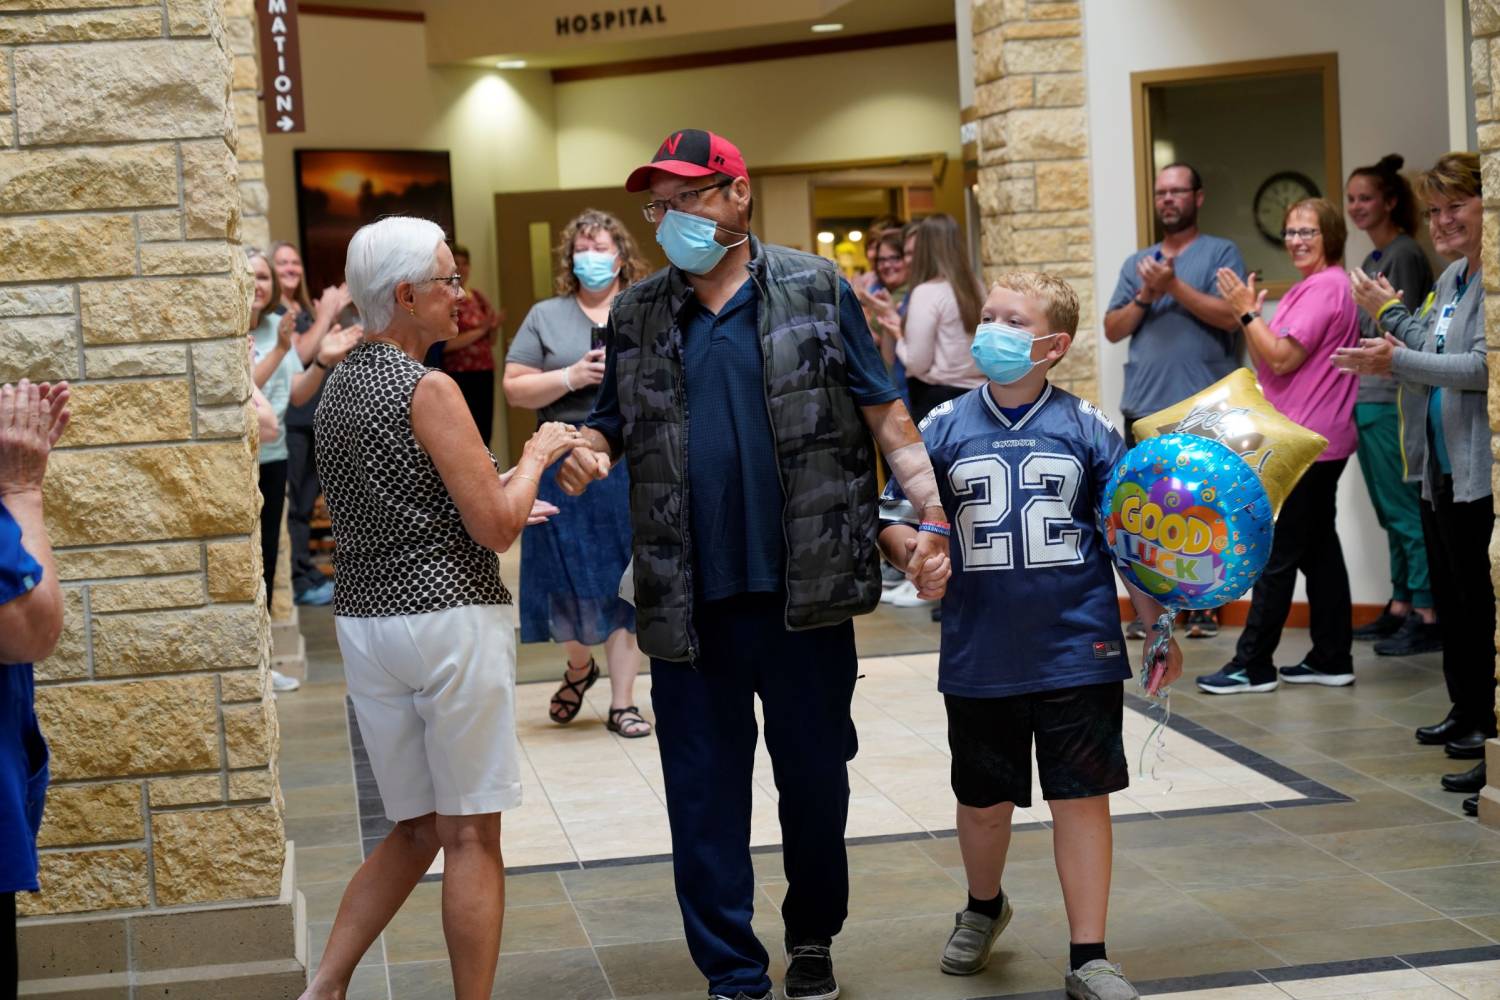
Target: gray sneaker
(1099,980)
(974,934)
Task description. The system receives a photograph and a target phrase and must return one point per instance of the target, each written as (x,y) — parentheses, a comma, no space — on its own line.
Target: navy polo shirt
(735,498)
(23,753)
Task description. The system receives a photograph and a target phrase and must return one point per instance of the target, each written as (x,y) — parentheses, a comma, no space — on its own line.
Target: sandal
(562,711)
(629,716)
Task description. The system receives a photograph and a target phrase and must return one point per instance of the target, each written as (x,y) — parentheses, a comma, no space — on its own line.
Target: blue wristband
(935,528)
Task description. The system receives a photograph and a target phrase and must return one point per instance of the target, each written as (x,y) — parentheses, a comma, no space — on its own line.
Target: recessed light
(825,237)
(855,236)
(821,28)
(511,64)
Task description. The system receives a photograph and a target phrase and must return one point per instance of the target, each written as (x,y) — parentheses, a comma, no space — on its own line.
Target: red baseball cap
(690,152)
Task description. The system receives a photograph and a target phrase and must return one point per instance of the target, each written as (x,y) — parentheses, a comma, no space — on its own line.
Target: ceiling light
(825,237)
(855,236)
(822,28)
(511,64)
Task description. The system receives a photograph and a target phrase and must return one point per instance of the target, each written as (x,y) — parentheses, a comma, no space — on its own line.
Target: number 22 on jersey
(1045,487)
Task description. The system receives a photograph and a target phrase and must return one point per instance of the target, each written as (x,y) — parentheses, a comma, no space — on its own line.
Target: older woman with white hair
(419,510)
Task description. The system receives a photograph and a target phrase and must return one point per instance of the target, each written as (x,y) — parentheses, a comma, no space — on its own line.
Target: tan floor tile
(1312,906)
(1456,891)
(1455,843)
(1340,986)
(1474,980)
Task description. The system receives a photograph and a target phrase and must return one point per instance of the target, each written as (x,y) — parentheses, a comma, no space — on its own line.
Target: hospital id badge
(1440,332)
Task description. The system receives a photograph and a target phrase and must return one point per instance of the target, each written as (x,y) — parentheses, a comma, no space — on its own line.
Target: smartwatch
(1250,317)
(1144,305)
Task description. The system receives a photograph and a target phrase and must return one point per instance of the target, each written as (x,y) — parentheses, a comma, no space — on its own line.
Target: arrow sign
(280,65)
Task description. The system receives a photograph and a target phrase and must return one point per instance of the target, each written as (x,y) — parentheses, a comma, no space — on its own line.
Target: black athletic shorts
(1080,749)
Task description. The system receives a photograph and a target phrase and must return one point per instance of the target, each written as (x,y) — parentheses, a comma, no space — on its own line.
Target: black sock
(1080,955)
(987,907)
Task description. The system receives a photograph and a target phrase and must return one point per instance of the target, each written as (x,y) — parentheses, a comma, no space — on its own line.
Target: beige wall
(850,106)
(367,85)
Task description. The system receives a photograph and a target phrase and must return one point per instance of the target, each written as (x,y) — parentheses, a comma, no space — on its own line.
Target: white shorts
(435,698)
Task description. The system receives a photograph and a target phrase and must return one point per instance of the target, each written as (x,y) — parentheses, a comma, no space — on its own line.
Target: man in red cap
(743,389)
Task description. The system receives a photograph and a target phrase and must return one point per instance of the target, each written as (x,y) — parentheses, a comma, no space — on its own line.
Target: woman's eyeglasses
(1288,235)
(454,281)
(682,201)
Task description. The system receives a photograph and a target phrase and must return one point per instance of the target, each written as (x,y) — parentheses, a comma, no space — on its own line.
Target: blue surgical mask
(1003,353)
(688,241)
(595,269)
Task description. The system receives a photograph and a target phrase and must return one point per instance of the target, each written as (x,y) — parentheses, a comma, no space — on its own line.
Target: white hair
(384,254)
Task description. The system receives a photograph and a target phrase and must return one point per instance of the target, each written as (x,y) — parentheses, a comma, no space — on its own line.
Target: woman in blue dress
(571,566)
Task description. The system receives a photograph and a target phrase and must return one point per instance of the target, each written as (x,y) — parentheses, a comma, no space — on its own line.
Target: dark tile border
(1287,973)
(373,824)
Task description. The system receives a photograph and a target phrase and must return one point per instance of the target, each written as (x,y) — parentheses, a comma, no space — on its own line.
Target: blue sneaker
(317,596)
(1233,679)
(1303,674)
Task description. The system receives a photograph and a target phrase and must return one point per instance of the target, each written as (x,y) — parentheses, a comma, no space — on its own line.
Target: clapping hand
(333,301)
(1242,298)
(338,343)
(1156,277)
(1371,357)
(1371,292)
(32,418)
(284,331)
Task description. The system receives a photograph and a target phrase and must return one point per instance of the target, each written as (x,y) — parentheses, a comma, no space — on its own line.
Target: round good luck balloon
(1233,412)
(1188,521)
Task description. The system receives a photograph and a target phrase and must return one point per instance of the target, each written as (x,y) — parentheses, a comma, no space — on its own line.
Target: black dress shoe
(1440,733)
(1468,782)
(1471,806)
(1469,746)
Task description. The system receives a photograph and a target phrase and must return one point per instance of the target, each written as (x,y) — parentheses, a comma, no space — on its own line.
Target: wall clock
(1275,195)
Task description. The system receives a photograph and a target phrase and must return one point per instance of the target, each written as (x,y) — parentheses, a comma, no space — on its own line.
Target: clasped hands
(928,566)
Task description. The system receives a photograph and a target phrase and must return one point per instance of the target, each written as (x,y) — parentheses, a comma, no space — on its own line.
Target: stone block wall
(240,35)
(122,130)
(1484,24)
(1033,158)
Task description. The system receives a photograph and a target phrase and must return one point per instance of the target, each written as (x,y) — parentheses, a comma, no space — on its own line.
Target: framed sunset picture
(339,190)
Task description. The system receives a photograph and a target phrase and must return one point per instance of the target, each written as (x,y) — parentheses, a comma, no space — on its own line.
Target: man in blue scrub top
(32,418)
(745,391)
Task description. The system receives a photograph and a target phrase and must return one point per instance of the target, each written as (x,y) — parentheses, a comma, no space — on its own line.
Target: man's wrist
(21,493)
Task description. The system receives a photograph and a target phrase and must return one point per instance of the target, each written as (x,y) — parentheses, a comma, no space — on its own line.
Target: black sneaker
(809,971)
(767,995)
(1135,630)
(1202,625)
(1383,627)
(1303,674)
(1415,636)
(1234,679)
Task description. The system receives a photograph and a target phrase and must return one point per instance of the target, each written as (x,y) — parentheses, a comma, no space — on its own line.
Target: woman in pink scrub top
(1292,355)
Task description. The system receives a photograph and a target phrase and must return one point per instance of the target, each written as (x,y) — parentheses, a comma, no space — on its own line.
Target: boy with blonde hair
(1031,642)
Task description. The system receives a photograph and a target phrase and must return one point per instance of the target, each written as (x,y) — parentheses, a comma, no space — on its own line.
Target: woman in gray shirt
(1439,359)
(1381,202)
(571,568)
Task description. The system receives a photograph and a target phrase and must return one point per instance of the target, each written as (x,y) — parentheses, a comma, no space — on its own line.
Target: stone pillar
(1484,23)
(1033,158)
(164,860)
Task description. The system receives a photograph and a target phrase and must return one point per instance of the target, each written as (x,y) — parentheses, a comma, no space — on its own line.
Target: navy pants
(706,729)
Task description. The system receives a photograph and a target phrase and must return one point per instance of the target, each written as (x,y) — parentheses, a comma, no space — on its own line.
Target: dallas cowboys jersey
(1032,603)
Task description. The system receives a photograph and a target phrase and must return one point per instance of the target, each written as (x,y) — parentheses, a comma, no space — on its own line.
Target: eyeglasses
(888,260)
(1288,235)
(1161,193)
(454,281)
(682,201)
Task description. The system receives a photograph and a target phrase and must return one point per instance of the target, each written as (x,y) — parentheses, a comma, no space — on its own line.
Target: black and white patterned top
(400,546)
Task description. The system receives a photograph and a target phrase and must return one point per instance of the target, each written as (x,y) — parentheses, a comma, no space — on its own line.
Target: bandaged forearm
(913,471)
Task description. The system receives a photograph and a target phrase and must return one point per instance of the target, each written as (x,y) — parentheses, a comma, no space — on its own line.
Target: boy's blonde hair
(1056,297)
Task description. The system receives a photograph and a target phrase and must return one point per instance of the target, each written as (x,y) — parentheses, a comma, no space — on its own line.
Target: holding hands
(550,442)
(927,564)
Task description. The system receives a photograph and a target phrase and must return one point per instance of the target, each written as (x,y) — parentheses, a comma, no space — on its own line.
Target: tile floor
(1230,903)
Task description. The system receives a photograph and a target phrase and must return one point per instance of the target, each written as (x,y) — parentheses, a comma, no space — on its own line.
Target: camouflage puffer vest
(823,449)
